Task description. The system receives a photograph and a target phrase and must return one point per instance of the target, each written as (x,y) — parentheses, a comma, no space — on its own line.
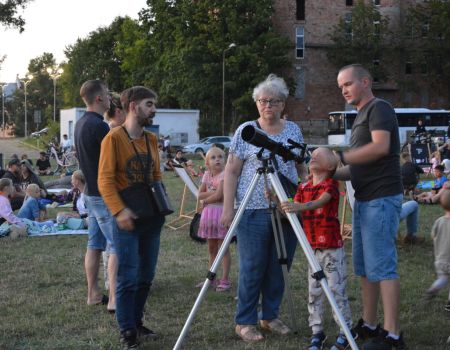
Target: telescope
(259,138)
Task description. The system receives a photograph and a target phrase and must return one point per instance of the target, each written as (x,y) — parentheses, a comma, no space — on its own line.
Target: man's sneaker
(341,342)
(144,334)
(384,342)
(363,332)
(447,307)
(317,341)
(128,340)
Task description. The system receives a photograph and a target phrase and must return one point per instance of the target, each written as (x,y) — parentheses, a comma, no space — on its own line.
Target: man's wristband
(341,156)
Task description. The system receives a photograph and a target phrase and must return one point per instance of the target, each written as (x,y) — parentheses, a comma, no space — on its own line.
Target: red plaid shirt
(321,225)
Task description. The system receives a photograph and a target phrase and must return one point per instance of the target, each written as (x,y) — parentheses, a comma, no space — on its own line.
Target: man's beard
(145,120)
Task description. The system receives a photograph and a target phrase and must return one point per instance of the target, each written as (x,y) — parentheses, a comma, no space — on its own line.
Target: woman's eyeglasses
(264,102)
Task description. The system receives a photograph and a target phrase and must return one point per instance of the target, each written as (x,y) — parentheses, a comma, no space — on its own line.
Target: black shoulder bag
(146,199)
(288,186)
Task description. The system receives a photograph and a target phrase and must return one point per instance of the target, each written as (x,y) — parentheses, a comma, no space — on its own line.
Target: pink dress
(210,226)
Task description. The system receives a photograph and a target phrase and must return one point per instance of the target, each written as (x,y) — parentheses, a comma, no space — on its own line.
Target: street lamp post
(3,108)
(26,81)
(223,85)
(54,73)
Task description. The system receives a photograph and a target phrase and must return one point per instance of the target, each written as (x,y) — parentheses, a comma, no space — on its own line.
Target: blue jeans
(101,225)
(137,255)
(259,269)
(374,234)
(410,211)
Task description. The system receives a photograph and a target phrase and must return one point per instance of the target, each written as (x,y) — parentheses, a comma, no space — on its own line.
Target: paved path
(10,146)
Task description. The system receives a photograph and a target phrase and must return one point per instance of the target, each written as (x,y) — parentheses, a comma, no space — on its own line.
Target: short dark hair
(90,89)
(136,94)
(13,161)
(439,167)
(42,153)
(359,70)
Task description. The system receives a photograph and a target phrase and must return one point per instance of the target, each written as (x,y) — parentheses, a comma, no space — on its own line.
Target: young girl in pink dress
(211,198)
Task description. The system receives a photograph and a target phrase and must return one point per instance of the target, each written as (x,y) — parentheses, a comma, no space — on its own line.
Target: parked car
(205,144)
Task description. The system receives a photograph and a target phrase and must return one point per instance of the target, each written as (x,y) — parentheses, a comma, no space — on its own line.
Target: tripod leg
(283,259)
(212,272)
(318,273)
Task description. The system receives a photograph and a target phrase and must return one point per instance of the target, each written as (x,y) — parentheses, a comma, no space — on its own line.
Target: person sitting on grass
(317,201)
(43,164)
(410,173)
(191,169)
(79,206)
(31,208)
(440,234)
(25,157)
(28,176)
(432,196)
(6,212)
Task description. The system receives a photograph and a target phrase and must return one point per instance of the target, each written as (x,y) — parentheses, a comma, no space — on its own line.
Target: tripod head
(259,138)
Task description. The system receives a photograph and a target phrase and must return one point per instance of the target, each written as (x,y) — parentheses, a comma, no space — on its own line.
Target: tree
(39,95)
(362,37)
(9,16)
(427,43)
(180,50)
(93,58)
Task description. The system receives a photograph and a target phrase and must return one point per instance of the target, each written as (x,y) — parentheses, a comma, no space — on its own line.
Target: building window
(376,68)
(300,10)
(348,26)
(376,28)
(408,67)
(348,2)
(300,83)
(300,42)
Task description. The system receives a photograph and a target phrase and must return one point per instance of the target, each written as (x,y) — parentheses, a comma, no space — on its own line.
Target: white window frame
(300,33)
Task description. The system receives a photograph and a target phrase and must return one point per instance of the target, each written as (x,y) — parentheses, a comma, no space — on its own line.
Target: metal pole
(54,99)
(3,110)
(25,91)
(223,92)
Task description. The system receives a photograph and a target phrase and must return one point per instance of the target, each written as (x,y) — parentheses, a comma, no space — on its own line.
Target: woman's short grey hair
(273,85)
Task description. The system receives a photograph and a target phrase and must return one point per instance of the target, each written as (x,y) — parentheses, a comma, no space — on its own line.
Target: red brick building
(308,24)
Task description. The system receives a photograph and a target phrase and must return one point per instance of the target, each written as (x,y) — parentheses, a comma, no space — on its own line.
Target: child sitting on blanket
(31,208)
(432,196)
(318,202)
(79,212)
(6,213)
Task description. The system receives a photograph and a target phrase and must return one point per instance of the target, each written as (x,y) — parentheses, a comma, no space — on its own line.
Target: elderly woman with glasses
(260,272)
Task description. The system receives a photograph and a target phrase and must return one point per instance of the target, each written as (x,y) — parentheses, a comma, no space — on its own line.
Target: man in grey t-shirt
(373,166)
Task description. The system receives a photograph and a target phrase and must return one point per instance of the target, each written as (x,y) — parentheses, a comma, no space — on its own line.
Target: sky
(51,25)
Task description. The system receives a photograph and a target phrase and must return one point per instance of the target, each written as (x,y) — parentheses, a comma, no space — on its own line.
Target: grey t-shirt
(380,178)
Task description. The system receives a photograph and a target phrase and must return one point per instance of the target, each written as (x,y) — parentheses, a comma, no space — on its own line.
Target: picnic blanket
(425,185)
(51,229)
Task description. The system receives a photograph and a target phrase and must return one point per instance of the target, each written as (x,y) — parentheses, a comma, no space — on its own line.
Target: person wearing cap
(14,174)
(43,164)
(28,176)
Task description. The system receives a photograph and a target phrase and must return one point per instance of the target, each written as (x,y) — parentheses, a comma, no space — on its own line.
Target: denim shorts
(101,225)
(374,231)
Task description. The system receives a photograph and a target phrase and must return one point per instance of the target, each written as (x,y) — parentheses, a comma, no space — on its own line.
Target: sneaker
(447,307)
(144,334)
(384,342)
(363,332)
(128,339)
(341,342)
(317,341)
(275,326)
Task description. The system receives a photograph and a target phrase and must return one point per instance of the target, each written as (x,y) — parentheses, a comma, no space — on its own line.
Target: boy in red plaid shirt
(317,201)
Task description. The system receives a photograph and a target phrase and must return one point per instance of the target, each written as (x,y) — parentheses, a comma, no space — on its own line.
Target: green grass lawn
(43,295)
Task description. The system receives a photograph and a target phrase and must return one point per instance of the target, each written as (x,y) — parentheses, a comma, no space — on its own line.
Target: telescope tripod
(318,273)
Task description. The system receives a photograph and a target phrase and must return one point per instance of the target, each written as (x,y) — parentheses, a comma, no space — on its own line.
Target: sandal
(275,326)
(248,333)
(223,286)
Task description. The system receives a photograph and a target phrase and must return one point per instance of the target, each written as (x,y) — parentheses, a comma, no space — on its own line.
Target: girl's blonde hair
(78,174)
(212,150)
(31,188)
(5,183)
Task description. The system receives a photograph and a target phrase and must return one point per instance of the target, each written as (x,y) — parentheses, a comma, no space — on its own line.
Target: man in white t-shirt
(66,144)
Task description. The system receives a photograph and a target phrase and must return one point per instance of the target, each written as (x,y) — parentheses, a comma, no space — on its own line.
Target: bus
(436,121)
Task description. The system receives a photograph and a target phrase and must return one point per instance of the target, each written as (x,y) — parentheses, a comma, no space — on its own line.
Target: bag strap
(274,160)
(146,167)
